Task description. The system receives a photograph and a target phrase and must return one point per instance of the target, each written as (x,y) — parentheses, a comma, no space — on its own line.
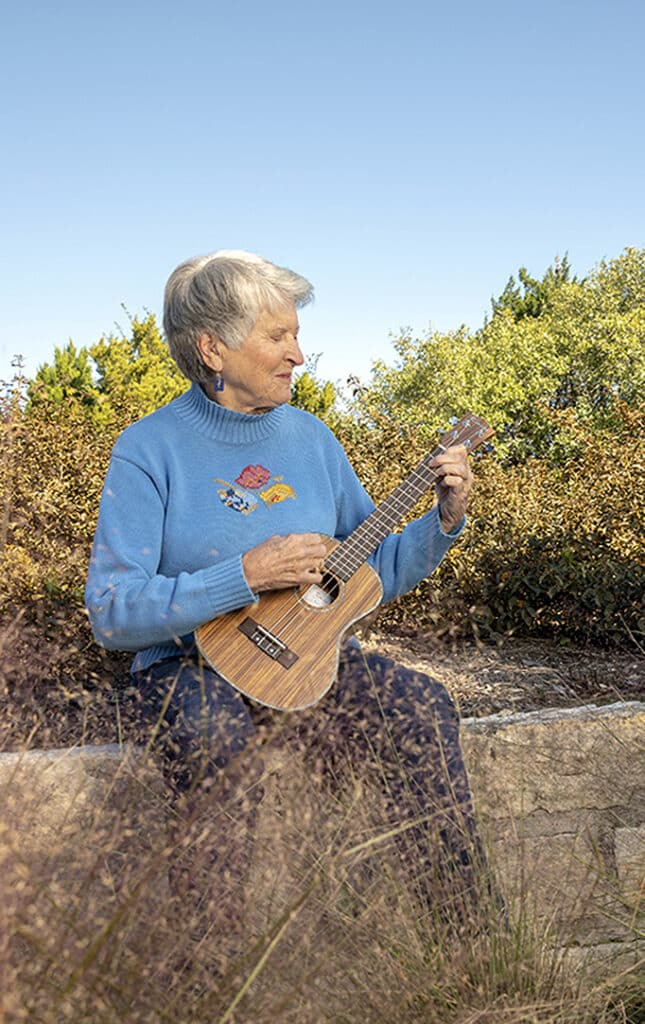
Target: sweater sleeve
(403,559)
(132,606)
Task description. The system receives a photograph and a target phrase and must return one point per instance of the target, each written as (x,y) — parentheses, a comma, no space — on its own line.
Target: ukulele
(283,649)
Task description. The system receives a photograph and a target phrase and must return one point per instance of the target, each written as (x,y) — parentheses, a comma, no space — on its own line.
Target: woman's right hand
(281,562)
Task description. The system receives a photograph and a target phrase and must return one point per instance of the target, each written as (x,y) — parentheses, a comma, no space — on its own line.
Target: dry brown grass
(138,912)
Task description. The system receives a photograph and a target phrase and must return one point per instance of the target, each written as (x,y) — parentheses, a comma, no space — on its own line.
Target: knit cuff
(456,530)
(226,586)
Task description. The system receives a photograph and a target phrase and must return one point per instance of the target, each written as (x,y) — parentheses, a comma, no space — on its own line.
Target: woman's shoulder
(141,432)
(300,419)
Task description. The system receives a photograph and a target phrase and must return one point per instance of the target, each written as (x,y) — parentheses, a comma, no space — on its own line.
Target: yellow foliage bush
(551,550)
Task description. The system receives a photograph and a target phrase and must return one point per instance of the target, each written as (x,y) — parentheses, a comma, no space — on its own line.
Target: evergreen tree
(531,297)
(116,379)
(313,395)
(580,355)
(69,379)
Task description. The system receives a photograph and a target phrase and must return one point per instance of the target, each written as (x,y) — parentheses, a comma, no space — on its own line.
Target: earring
(218,382)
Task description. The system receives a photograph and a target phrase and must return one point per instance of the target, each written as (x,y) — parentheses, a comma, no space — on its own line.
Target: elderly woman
(227,492)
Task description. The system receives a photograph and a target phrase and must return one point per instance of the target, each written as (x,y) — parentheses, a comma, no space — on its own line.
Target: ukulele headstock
(471,431)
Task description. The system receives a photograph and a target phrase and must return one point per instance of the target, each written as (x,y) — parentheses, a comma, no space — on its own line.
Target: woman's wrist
(449,523)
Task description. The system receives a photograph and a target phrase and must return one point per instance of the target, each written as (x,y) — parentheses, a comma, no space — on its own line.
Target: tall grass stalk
(133,913)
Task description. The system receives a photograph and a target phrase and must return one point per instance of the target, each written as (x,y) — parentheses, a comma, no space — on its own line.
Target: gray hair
(223,295)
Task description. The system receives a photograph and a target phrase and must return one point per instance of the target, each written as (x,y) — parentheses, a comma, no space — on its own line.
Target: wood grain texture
(314,635)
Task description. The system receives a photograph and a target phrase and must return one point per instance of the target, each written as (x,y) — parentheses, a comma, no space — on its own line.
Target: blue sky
(406,157)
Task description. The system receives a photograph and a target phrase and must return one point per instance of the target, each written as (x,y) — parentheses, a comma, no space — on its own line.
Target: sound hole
(320,595)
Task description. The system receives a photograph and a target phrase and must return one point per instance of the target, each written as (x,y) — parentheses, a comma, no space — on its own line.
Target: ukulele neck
(471,431)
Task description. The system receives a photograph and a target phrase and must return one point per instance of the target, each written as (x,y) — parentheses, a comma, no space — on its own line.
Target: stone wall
(559,796)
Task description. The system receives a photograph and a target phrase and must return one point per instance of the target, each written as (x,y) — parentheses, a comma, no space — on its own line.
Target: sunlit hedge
(550,550)
(554,544)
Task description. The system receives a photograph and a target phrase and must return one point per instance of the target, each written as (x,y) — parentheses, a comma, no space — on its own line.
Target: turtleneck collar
(213,420)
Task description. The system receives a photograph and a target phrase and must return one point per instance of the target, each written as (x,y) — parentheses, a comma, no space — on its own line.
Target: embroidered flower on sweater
(253,477)
(277,493)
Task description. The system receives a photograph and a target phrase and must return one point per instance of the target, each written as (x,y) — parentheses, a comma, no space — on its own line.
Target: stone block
(563,881)
(620,960)
(557,760)
(557,796)
(85,821)
(629,851)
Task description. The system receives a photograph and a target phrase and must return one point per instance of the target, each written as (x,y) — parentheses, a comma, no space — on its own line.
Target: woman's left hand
(453,486)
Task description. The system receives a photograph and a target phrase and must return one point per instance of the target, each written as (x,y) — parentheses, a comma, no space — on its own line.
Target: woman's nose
(294,352)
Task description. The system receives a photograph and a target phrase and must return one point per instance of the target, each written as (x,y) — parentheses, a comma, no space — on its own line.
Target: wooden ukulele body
(283,650)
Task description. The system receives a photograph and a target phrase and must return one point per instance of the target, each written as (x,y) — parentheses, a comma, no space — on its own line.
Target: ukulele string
(368,535)
(296,610)
(286,626)
(291,629)
(292,616)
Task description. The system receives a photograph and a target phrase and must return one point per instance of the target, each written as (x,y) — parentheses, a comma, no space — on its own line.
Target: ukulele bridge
(267,642)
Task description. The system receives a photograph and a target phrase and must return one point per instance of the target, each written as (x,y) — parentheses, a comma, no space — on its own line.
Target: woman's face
(257,376)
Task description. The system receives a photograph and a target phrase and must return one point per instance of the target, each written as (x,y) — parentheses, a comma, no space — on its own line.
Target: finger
(454,483)
(306,541)
(456,453)
(306,557)
(313,552)
(458,466)
(461,469)
(308,575)
(315,564)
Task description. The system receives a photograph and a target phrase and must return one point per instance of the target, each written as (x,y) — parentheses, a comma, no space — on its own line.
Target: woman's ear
(209,348)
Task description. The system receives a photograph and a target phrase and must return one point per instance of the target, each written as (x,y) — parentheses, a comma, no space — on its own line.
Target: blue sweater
(192,487)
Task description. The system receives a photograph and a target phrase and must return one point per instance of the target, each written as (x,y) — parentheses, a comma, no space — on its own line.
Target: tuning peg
(453,421)
(483,449)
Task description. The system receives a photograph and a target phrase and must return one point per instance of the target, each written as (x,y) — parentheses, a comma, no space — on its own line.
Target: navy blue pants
(378,713)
